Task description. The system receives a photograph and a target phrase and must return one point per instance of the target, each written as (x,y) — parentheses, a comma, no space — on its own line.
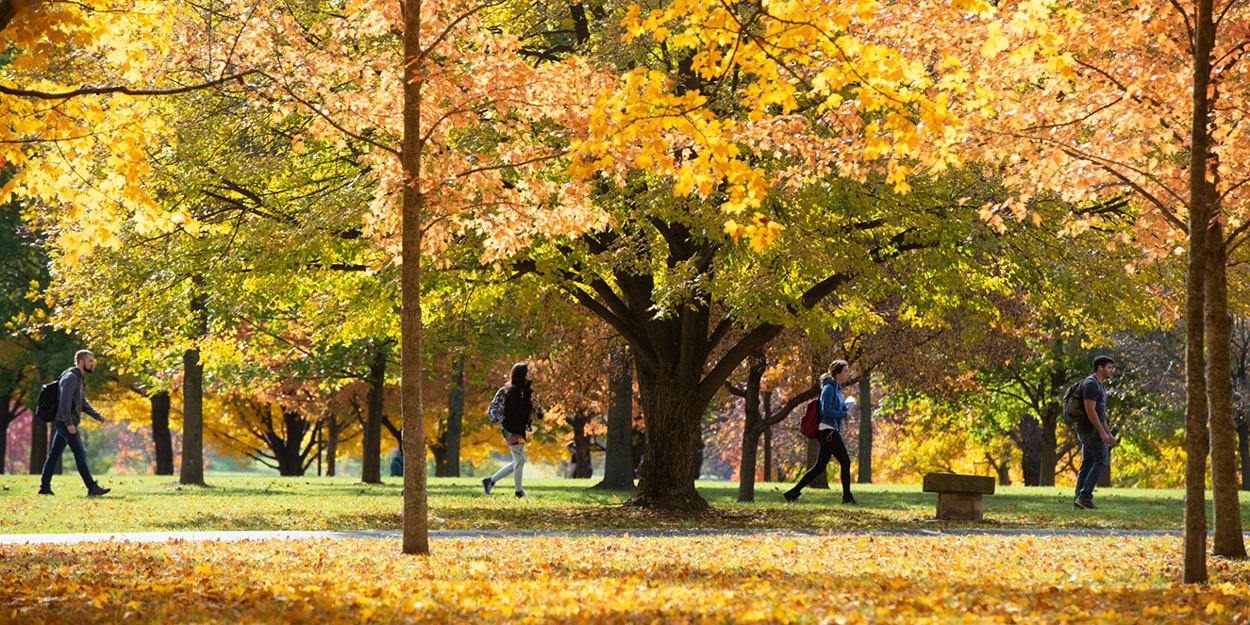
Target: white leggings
(517,465)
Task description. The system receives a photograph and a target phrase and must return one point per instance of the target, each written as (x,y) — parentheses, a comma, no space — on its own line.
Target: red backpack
(809,425)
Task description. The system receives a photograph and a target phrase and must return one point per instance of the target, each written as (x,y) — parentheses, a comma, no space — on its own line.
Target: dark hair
(82,355)
(835,368)
(1102,361)
(518,386)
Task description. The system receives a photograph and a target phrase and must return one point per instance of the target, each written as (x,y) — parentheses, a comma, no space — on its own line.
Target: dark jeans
(59,441)
(1095,458)
(831,445)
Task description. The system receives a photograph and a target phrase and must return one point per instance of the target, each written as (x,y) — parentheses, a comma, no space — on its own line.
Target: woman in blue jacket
(833,409)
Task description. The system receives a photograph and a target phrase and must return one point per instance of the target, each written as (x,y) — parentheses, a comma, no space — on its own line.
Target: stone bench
(959,496)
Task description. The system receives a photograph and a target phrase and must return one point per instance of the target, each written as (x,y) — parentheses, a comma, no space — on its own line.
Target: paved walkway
(148,537)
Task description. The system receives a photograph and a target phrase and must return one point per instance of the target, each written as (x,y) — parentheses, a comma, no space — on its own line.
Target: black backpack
(1073,405)
(49,401)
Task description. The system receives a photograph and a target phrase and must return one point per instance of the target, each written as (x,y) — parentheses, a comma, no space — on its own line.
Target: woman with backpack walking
(833,409)
(513,409)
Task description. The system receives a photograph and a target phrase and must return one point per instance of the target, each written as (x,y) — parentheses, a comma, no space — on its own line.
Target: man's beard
(88,368)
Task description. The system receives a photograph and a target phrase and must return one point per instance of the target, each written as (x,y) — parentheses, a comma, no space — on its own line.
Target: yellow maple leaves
(852,578)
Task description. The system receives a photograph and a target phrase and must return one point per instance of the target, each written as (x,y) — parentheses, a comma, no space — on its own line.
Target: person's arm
(1092,415)
(95,414)
(64,408)
(829,404)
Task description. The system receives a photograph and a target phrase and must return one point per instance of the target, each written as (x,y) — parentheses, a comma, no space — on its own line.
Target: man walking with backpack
(72,404)
(1095,435)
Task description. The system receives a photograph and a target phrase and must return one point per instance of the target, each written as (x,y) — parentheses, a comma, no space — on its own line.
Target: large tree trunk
(581,445)
(11,409)
(864,462)
(192,471)
(672,415)
(1029,440)
(162,440)
(38,445)
(618,461)
(1201,206)
(371,438)
(416,511)
(1228,539)
(455,417)
(288,451)
(438,449)
(1050,413)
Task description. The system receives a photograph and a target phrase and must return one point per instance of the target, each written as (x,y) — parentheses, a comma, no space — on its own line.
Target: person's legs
(518,459)
(54,454)
(74,441)
(504,472)
(1094,462)
(822,461)
(844,459)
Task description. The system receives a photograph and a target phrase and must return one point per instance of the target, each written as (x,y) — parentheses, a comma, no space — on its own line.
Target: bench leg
(959,506)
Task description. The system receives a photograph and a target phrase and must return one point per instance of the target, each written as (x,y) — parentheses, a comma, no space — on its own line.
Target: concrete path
(148,537)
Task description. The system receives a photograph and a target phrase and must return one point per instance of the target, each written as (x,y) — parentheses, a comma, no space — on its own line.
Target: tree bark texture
(416,538)
(38,445)
(455,417)
(371,438)
(192,470)
(864,462)
(618,460)
(1201,204)
(162,440)
(1228,541)
(681,360)
(333,430)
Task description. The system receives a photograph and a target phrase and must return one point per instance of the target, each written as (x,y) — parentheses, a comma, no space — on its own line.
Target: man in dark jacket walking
(72,404)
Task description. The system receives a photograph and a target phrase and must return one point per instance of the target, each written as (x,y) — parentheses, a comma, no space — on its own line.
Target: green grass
(148,503)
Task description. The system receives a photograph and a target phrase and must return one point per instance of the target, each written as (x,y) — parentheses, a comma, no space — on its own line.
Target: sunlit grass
(146,504)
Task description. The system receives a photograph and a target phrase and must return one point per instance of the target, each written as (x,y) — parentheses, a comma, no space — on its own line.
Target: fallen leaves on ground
(854,578)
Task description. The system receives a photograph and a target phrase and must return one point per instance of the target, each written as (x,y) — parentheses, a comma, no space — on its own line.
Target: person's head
(839,371)
(520,373)
(1104,366)
(84,360)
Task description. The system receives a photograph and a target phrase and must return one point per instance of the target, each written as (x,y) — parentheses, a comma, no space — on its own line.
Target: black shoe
(790,495)
(487,485)
(98,491)
(1084,504)
(46,491)
(520,494)
(850,501)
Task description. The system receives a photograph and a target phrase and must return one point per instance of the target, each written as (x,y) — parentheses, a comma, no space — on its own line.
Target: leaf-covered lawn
(762,579)
(146,504)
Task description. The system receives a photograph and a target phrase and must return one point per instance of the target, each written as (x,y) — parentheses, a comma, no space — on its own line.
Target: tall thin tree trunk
(162,440)
(192,471)
(333,431)
(371,438)
(455,416)
(752,426)
(618,463)
(1243,450)
(416,511)
(864,463)
(1228,539)
(1201,206)
(768,455)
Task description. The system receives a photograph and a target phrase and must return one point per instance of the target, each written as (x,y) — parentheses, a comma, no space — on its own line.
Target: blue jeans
(59,441)
(1095,458)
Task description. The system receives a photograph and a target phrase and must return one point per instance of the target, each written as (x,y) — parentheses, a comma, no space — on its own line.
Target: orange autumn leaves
(756,579)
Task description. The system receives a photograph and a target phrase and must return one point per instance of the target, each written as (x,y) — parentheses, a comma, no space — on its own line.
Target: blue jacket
(832,406)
